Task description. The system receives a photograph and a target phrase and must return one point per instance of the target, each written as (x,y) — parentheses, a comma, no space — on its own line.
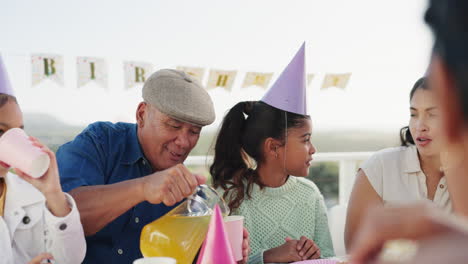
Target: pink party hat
(216,247)
(288,93)
(5,85)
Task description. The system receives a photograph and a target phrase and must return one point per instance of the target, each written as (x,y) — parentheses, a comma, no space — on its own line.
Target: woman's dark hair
(4,98)
(405,135)
(448,20)
(244,130)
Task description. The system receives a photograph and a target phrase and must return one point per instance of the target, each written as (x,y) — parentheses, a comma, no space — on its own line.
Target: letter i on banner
(91,69)
(136,73)
(47,66)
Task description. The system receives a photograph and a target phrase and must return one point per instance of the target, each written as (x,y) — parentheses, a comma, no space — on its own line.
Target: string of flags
(95,69)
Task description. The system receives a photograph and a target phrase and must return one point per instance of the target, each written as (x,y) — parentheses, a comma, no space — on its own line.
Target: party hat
(288,93)
(216,247)
(5,85)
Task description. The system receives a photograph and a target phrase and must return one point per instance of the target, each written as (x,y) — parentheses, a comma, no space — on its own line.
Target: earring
(276,155)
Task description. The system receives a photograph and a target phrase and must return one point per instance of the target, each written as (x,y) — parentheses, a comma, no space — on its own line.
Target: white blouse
(396,176)
(28,228)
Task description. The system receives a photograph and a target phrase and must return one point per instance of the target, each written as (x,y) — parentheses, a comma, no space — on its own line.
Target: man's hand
(171,185)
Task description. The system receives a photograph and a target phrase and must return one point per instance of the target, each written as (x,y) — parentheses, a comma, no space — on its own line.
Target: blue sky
(385,44)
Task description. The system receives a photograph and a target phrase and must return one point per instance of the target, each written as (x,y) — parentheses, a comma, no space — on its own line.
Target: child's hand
(49,183)
(40,258)
(285,253)
(245,247)
(307,248)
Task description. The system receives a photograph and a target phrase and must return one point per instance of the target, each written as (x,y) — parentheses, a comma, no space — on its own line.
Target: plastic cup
(155,260)
(234,225)
(18,151)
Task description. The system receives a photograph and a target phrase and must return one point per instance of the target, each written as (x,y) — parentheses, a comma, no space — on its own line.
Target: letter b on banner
(49,67)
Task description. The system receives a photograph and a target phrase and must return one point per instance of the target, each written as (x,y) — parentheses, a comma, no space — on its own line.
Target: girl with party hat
(259,148)
(38,221)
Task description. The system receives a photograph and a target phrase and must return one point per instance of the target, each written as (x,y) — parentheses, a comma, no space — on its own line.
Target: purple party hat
(5,85)
(288,93)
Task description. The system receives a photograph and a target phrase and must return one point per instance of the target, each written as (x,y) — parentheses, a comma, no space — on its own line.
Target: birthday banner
(136,73)
(91,69)
(257,79)
(310,77)
(47,66)
(220,78)
(95,70)
(196,72)
(336,80)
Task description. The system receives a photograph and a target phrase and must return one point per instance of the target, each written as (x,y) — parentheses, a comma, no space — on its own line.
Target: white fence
(347,161)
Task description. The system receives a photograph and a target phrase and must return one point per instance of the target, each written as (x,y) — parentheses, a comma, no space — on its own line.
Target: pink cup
(234,225)
(19,152)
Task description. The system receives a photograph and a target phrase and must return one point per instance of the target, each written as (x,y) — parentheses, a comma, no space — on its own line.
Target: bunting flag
(310,77)
(47,66)
(257,79)
(197,72)
(336,80)
(220,78)
(136,73)
(91,69)
(95,69)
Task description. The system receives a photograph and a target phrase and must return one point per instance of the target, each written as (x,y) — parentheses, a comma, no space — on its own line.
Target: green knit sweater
(293,210)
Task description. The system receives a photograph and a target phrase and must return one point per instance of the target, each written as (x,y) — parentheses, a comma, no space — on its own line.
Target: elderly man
(123,176)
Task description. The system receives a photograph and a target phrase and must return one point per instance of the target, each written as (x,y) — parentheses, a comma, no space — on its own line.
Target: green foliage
(325,176)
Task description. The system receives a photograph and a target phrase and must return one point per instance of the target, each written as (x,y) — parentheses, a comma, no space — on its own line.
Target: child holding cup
(38,221)
(262,152)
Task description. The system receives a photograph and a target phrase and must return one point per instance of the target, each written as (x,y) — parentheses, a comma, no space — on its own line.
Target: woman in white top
(38,221)
(405,174)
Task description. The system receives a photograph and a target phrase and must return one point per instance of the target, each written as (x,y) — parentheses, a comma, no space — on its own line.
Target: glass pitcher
(180,233)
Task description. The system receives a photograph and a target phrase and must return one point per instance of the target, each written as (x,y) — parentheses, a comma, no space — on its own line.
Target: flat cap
(179,96)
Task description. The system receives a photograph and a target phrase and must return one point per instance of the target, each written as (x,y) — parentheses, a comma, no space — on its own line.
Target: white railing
(347,161)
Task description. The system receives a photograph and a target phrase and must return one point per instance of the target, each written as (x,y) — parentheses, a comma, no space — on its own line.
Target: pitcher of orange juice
(180,233)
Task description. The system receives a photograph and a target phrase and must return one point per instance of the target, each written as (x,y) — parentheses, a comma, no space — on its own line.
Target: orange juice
(175,236)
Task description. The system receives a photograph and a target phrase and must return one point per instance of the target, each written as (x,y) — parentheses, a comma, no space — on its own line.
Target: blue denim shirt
(107,153)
